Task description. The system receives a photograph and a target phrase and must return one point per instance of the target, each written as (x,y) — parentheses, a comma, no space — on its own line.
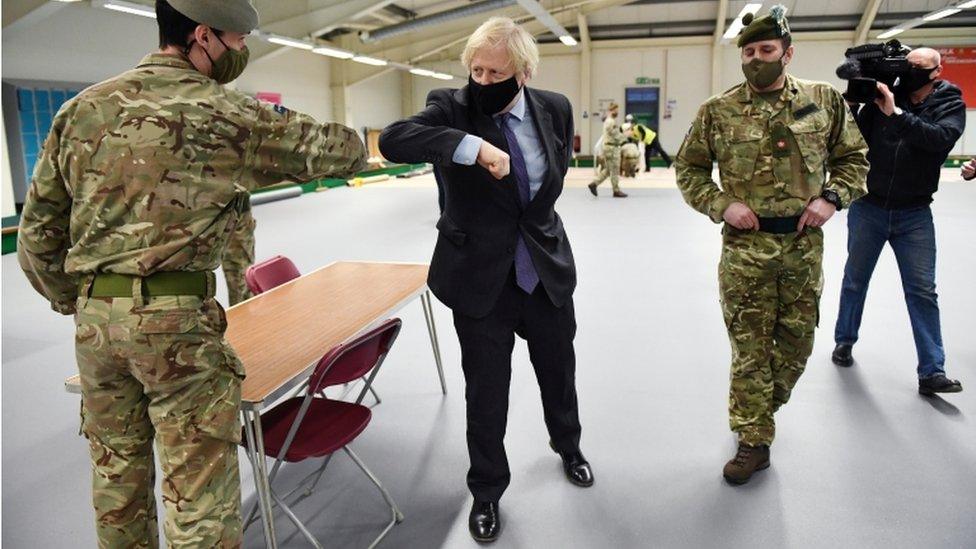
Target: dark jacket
(906,151)
(482,216)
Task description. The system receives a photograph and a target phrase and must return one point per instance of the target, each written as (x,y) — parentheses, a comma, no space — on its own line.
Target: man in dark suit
(502,262)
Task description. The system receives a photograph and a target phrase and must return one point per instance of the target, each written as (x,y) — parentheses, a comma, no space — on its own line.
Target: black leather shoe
(484,522)
(938,384)
(577,469)
(842,355)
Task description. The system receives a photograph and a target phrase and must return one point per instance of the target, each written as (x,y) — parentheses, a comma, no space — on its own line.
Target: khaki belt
(200,283)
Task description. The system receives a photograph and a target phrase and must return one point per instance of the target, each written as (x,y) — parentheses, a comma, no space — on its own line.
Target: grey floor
(861,459)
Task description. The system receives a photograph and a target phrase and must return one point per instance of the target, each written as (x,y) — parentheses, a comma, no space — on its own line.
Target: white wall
(375,103)
(302,79)
(77,43)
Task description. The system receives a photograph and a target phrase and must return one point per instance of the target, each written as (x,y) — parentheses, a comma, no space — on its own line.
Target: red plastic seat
(314,426)
(269,273)
(328,425)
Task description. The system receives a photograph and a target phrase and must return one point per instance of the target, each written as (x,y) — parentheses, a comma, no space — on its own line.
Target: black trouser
(649,149)
(486,358)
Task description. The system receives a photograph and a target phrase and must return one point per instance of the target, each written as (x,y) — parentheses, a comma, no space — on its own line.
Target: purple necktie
(525,275)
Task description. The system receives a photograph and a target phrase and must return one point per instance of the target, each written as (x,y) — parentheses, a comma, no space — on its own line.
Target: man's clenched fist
(493,159)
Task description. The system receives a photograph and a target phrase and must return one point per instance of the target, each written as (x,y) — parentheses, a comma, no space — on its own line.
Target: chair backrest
(351,361)
(269,273)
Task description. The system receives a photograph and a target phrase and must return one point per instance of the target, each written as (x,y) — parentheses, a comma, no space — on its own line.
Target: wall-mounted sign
(648,81)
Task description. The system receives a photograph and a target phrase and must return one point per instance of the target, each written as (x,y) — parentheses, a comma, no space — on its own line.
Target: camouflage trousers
(610,167)
(158,369)
(770,287)
(238,256)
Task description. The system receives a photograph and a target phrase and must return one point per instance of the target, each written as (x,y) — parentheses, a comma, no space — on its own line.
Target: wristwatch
(832,197)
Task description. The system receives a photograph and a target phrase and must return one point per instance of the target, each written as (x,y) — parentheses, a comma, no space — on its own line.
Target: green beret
(768,27)
(226,15)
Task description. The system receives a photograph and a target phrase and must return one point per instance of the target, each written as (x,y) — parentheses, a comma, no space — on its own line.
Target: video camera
(865,66)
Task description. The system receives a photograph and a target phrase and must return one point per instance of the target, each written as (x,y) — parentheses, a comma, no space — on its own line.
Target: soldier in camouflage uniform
(613,140)
(238,256)
(772,136)
(140,185)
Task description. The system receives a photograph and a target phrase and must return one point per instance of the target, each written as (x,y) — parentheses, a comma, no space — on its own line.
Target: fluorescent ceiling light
(422,72)
(889,33)
(967,5)
(290,42)
(941,13)
(365,59)
(443,76)
(134,9)
(737,25)
(332,52)
(570,41)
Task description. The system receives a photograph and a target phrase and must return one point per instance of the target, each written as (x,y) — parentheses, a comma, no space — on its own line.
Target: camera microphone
(850,68)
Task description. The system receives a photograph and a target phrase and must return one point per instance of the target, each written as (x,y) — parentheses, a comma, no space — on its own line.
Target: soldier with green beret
(775,138)
(142,180)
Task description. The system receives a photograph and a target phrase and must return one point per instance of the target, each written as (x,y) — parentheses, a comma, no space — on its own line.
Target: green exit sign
(647,81)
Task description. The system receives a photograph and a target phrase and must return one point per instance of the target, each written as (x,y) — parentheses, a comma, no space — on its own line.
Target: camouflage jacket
(147,172)
(772,157)
(613,136)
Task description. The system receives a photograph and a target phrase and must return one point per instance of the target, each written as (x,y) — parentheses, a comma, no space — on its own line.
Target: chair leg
(294,519)
(318,476)
(373,391)
(397,516)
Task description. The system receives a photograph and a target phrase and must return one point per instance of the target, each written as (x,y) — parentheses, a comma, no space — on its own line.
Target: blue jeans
(911,234)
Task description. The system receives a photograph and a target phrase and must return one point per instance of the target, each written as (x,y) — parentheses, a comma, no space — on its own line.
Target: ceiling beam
(867,20)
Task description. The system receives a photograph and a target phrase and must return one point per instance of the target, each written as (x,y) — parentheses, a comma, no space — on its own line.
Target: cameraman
(909,134)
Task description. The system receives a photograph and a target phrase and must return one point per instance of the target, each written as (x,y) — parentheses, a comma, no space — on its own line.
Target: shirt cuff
(466,152)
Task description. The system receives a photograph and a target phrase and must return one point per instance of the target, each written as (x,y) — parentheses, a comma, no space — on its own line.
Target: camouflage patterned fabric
(613,140)
(610,167)
(148,172)
(160,369)
(770,288)
(238,256)
(773,157)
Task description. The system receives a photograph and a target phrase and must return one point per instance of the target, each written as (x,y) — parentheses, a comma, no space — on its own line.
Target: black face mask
(914,80)
(492,98)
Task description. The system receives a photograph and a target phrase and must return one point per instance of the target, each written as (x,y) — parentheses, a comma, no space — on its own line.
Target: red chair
(269,273)
(314,426)
(276,271)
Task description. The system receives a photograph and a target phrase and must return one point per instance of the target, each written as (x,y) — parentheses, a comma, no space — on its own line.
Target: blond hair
(521,46)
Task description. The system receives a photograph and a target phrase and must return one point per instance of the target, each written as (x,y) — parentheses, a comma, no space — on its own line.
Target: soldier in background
(142,180)
(613,140)
(238,256)
(772,136)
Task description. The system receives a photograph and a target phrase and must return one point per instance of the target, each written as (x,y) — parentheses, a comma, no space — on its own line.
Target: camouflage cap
(768,27)
(226,15)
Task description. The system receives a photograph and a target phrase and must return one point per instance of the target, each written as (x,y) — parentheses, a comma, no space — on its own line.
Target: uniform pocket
(178,321)
(810,134)
(737,160)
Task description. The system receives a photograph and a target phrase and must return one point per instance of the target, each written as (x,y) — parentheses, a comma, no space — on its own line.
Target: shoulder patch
(280,109)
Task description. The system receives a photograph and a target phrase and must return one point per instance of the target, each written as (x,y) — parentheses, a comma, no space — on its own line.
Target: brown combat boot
(619,194)
(747,461)
(592,187)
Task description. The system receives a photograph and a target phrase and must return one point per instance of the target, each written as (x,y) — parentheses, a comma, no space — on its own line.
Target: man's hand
(887,100)
(493,159)
(741,217)
(816,214)
(969,170)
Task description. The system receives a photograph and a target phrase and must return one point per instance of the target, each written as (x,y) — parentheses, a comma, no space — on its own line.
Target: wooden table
(281,334)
